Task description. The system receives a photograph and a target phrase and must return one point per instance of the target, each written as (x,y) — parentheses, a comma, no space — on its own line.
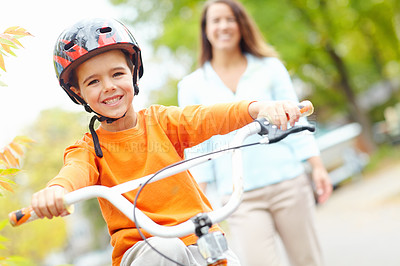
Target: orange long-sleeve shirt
(158,140)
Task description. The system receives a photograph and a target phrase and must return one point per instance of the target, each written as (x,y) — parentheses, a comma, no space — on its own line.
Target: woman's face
(222,29)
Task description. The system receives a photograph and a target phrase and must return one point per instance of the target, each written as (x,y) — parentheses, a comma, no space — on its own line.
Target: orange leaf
(6,186)
(16,148)
(12,29)
(14,162)
(23,140)
(3,160)
(6,48)
(14,40)
(2,65)
(17,30)
(8,40)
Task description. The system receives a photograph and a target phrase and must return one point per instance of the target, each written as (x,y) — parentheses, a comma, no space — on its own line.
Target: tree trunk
(356,113)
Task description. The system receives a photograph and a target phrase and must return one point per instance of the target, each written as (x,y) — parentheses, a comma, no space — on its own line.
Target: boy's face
(106,84)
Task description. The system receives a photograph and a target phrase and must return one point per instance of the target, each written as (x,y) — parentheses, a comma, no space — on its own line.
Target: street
(360,223)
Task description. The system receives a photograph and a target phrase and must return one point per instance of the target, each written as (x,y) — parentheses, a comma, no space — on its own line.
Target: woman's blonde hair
(252,40)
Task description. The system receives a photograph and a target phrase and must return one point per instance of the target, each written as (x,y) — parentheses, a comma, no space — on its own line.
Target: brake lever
(274,134)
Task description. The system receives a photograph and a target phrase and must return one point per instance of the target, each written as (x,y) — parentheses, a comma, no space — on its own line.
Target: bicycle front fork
(212,246)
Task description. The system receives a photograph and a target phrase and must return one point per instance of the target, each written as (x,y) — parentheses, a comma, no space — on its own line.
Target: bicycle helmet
(82,41)
(88,38)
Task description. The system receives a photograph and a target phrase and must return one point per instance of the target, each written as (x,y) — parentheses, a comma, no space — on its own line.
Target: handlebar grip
(27,214)
(306,108)
(22,216)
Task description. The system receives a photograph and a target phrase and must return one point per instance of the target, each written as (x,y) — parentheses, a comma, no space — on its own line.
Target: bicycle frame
(211,246)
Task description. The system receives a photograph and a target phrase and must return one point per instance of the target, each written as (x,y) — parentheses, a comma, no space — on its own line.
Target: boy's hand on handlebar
(279,113)
(49,202)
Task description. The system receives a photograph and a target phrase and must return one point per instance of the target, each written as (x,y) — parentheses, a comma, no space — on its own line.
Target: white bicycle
(211,245)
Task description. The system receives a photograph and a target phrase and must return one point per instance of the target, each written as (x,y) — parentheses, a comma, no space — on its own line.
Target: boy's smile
(105,83)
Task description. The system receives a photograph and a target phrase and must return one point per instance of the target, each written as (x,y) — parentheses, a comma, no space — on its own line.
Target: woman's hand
(322,184)
(321,179)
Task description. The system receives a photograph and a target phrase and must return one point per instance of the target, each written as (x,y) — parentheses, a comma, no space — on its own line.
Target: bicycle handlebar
(114,194)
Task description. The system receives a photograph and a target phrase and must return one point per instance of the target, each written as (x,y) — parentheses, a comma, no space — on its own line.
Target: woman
(235,64)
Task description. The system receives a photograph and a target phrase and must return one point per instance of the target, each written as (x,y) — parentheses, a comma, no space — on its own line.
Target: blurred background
(342,55)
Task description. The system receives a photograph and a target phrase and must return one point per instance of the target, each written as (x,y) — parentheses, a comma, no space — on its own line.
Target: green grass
(386,154)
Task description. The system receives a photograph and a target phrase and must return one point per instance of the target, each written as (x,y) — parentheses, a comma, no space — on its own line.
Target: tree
(339,49)
(10,155)
(53,131)
(10,166)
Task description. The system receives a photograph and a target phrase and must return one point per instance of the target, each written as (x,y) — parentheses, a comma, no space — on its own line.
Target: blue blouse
(264,79)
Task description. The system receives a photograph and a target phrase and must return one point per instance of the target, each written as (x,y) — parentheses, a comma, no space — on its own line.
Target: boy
(97,63)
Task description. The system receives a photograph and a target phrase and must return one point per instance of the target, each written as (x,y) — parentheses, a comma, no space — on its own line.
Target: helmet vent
(104,30)
(69,45)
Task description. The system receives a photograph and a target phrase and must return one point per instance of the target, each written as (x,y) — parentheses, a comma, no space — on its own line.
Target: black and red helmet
(88,38)
(84,40)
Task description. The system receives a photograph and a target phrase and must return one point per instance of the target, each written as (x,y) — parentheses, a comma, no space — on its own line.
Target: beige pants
(286,209)
(143,255)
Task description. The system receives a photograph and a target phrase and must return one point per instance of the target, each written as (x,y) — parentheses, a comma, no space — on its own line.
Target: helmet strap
(135,71)
(79,100)
(101,118)
(96,143)
(74,97)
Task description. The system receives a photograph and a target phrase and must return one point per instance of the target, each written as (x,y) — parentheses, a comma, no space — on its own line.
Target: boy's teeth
(112,101)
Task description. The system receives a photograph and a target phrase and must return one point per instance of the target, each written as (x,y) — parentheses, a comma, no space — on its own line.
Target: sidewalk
(360,223)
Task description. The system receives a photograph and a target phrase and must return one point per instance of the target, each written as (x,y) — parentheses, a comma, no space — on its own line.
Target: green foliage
(377,113)
(168,96)
(386,154)
(53,131)
(11,154)
(10,157)
(15,261)
(339,48)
